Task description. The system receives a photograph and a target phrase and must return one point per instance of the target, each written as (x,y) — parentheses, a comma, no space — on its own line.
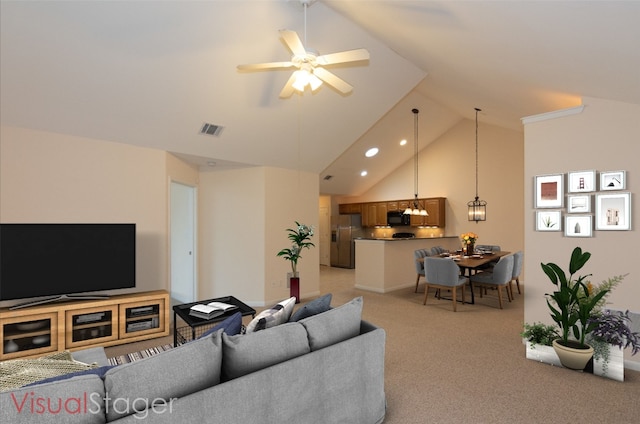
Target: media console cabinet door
(90,326)
(28,335)
(143,317)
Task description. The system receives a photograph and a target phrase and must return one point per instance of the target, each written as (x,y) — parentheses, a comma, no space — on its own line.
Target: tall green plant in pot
(571,306)
(300,237)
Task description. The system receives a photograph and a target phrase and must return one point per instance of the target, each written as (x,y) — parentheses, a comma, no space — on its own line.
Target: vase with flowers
(300,237)
(468,243)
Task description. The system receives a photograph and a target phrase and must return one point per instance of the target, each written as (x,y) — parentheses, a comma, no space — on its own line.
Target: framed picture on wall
(579,203)
(581,181)
(612,180)
(578,226)
(548,221)
(613,211)
(548,191)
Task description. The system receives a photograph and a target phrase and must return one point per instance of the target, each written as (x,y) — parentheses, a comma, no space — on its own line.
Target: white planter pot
(615,367)
(542,353)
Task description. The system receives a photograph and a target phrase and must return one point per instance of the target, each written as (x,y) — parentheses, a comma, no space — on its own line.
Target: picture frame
(549,191)
(581,181)
(613,180)
(579,203)
(578,226)
(613,212)
(548,221)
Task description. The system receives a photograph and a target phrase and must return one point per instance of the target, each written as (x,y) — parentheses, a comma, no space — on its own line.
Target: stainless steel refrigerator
(344,229)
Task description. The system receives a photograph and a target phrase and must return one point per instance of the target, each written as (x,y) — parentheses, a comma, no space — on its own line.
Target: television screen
(59,259)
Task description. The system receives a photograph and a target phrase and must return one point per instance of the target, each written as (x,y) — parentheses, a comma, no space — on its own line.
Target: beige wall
(244,214)
(447,169)
(603,137)
(46,177)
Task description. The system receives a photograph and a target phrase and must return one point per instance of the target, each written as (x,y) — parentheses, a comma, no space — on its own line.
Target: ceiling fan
(310,67)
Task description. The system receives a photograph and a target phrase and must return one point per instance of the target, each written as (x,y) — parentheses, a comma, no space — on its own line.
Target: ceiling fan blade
(343,57)
(288,89)
(293,42)
(269,65)
(332,80)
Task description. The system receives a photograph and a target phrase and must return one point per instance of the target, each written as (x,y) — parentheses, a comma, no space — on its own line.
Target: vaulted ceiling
(150,73)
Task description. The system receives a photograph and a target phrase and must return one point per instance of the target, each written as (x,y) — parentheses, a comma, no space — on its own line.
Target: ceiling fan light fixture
(304,78)
(314,82)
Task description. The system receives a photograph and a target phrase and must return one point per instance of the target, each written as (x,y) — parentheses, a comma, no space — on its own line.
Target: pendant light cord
(415,155)
(477,110)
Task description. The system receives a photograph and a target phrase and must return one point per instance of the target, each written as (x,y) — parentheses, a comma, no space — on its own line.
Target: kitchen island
(387,264)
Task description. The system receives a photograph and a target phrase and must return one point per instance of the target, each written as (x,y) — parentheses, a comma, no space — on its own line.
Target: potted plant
(538,338)
(539,334)
(299,237)
(571,306)
(612,329)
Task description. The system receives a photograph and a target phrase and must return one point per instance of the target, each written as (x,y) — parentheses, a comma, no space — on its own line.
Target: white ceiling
(150,73)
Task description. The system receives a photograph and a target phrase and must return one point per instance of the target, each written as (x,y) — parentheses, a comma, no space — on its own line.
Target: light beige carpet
(470,366)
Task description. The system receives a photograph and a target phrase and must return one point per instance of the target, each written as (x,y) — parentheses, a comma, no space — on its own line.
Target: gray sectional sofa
(326,368)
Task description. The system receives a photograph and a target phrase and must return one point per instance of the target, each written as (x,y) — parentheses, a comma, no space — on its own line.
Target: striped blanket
(130,357)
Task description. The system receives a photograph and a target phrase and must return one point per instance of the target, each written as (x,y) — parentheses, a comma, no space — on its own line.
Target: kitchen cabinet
(436,209)
(350,208)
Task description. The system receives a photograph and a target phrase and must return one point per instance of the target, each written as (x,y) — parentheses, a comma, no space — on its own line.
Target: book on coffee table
(210,310)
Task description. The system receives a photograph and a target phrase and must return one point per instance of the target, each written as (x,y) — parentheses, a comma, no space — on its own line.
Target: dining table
(471,264)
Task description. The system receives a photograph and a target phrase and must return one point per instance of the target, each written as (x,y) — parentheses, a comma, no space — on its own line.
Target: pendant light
(477,207)
(417,209)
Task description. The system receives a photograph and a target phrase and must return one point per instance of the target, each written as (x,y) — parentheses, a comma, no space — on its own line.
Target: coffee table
(197,326)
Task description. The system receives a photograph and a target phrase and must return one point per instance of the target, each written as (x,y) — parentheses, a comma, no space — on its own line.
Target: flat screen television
(65,260)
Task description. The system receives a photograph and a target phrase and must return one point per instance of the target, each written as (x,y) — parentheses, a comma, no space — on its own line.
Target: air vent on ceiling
(211,129)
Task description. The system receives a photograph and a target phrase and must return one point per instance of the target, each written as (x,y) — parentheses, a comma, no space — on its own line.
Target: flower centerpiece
(299,237)
(468,242)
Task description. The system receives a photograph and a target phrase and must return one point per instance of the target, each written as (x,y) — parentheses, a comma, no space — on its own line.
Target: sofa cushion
(30,404)
(276,315)
(231,326)
(160,378)
(335,325)
(316,306)
(244,354)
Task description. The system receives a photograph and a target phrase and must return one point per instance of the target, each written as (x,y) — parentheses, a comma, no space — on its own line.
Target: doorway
(182,243)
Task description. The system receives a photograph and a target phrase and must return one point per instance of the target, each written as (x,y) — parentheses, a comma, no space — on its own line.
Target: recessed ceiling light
(403,142)
(371,152)
(363,173)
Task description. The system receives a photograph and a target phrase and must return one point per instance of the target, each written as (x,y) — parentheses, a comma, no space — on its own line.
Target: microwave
(397,219)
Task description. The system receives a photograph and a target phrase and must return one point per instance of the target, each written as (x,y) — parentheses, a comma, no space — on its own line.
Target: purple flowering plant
(613,327)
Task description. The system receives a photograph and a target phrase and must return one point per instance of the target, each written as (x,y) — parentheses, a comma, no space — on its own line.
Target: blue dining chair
(499,277)
(443,274)
(518,257)
(417,254)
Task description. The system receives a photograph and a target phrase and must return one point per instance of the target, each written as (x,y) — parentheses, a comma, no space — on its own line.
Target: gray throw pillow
(316,306)
(335,325)
(244,354)
(160,378)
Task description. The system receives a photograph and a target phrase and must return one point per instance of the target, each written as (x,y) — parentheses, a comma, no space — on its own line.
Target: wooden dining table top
(474,261)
